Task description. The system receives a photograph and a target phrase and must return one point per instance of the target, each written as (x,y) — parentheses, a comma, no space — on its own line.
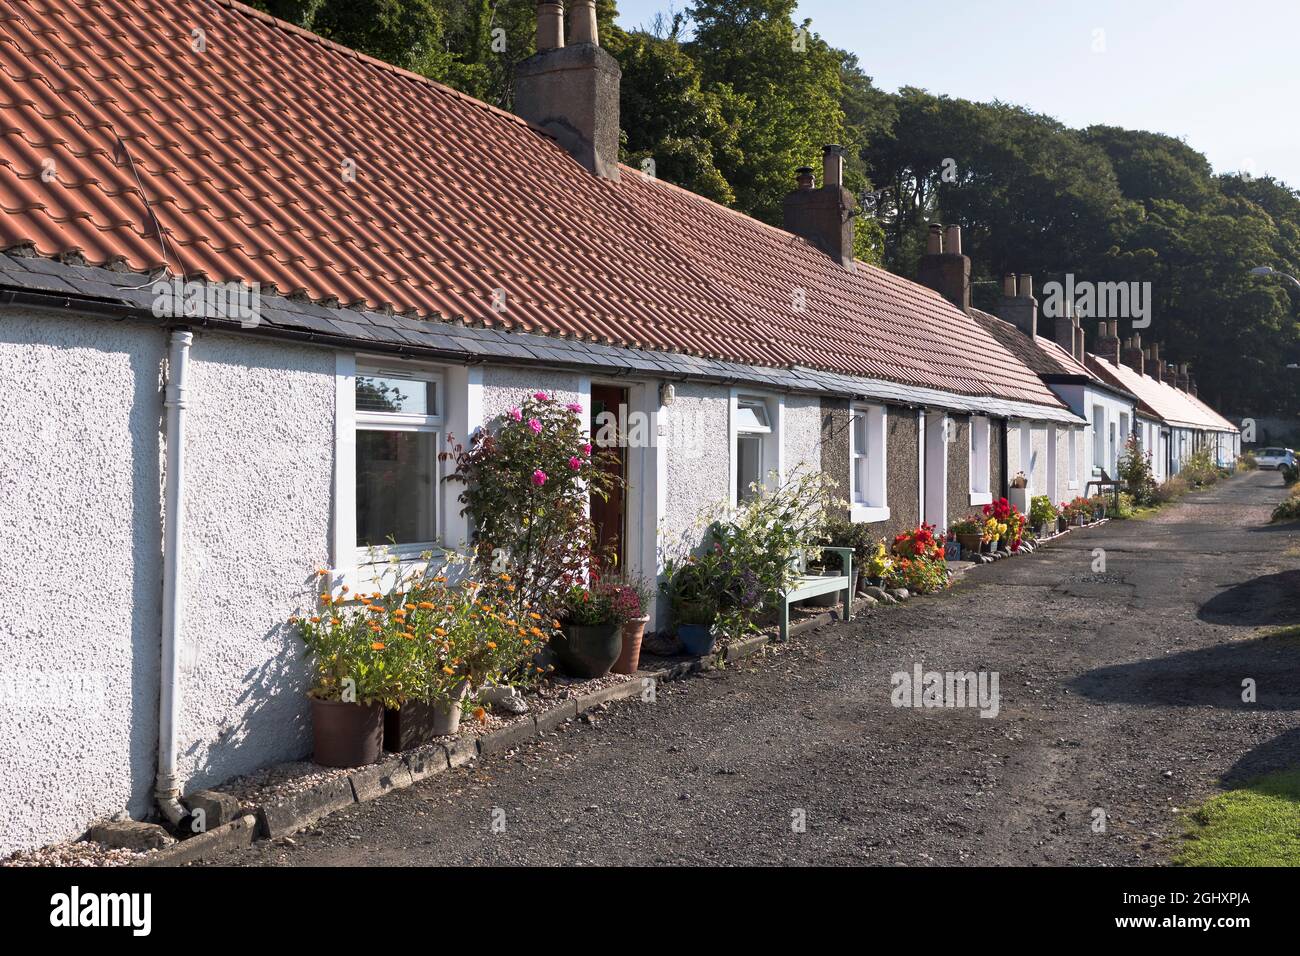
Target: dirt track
(1118,691)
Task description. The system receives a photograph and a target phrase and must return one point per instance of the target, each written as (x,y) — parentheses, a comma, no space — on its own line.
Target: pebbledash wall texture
(82,671)
(958,468)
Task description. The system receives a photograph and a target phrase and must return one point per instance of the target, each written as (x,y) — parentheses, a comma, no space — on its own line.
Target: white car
(1274,458)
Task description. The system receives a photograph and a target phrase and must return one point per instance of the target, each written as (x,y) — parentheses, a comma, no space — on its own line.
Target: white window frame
(1074,453)
(352,565)
(981,466)
(402,422)
(773,451)
(1098,438)
(870,503)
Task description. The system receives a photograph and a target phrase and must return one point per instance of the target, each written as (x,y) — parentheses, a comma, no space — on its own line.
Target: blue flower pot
(697,639)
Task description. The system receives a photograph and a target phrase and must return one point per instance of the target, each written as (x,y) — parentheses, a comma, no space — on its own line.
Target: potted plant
(631,601)
(970,533)
(351,681)
(592,636)
(694,603)
(920,566)
(1043,515)
(1079,512)
(695,626)
(1018,493)
(878,565)
(994,530)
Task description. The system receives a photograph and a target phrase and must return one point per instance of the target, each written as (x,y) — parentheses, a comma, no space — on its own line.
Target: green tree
(780,87)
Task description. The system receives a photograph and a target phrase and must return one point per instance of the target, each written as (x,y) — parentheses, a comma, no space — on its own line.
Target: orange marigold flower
(440,631)
(491,645)
(527,642)
(440,579)
(448,671)
(426,605)
(344,589)
(535,631)
(335,621)
(480,714)
(505,577)
(315,620)
(377,646)
(534,615)
(322,572)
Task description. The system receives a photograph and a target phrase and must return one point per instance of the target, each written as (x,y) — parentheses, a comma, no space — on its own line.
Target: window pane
(860,433)
(377,393)
(749,465)
(860,479)
(751,416)
(396,478)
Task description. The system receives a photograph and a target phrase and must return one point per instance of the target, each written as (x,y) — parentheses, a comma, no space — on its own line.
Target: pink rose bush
(527,484)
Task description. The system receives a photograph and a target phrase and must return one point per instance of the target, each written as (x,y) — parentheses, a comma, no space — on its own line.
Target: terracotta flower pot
(970,542)
(417,723)
(630,658)
(346,735)
(588,651)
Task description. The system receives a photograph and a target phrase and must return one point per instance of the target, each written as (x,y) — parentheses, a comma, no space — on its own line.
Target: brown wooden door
(610,517)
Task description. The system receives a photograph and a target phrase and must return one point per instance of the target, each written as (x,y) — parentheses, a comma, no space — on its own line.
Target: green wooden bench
(815,585)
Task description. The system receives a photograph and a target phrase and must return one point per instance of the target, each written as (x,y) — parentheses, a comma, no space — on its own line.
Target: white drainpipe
(167,787)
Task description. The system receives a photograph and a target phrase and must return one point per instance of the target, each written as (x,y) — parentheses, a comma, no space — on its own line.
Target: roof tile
(246,152)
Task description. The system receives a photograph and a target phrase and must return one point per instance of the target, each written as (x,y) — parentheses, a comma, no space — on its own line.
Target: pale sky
(1225,77)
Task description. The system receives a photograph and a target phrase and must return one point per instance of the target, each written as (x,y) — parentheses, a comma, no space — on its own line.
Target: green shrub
(1291,474)
(1288,510)
(1042,511)
(1247,462)
(843,533)
(748,557)
(1125,506)
(1170,490)
(1136,471)
(1200,469)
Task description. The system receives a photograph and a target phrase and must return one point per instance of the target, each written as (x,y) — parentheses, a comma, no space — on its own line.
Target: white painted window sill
(981,497)
(1073,486)
(865,514)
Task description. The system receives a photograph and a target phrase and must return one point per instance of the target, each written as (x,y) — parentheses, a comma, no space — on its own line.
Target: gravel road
(1120,692)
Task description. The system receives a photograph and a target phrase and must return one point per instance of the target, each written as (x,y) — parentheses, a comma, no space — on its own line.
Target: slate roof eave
(361,330)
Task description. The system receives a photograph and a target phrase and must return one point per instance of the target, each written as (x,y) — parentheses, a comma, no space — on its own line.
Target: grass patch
(1255,825)
(1291,631)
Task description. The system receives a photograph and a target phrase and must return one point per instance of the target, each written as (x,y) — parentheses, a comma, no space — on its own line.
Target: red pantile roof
(1161,399)
(241,150)
(1041,354)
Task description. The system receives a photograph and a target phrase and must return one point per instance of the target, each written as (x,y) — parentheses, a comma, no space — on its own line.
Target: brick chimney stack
(572,91)
(944,268)
(1107,345)
(1133,356)
(1155,367)
(1184,377)
(823,216)
(1069,335)
(1018,305)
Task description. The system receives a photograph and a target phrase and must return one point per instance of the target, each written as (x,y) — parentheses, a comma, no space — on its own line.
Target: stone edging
(399,771)
(392,772)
